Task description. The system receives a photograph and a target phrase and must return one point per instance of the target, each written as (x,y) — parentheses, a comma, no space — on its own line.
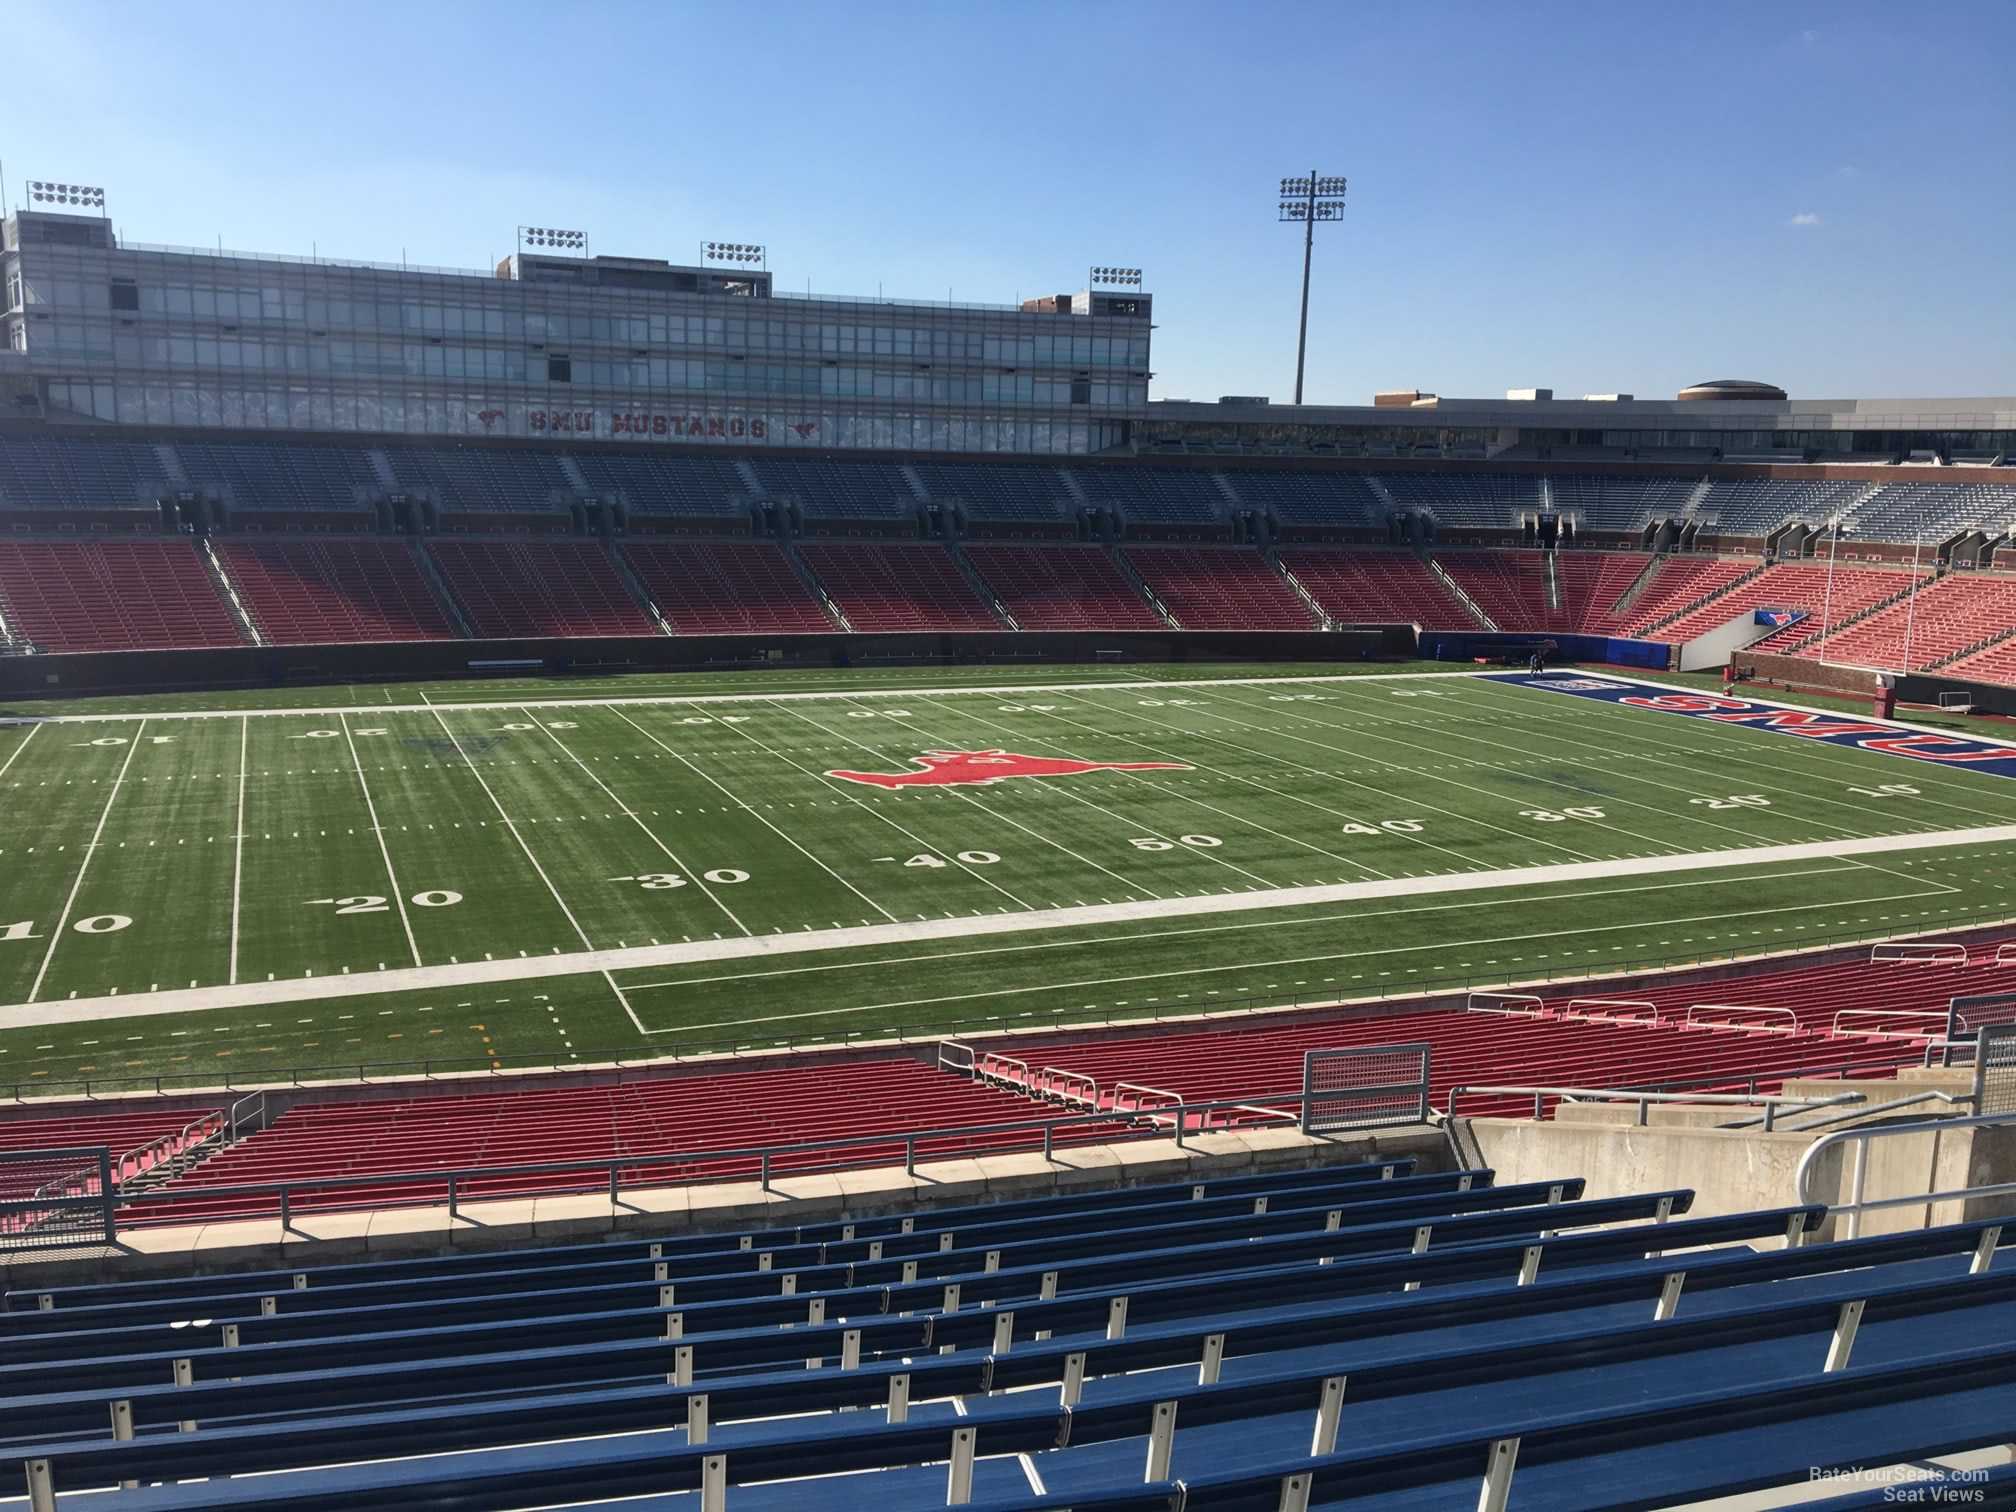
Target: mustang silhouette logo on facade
(968,768)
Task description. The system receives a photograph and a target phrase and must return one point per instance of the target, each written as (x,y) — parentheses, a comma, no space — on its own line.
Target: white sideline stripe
(470,973)
(1019,690)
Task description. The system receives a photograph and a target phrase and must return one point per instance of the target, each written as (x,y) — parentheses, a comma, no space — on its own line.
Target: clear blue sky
(1593,197)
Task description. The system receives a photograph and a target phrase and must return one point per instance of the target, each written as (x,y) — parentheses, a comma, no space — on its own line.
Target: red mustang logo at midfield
(969,768)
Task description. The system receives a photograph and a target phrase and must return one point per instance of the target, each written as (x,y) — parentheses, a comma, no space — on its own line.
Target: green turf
(465,835)
(587,683)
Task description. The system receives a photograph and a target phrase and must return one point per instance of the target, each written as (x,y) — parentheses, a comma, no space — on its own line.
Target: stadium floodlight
(551,239)
(1119,278)
(82,196)
(1305,201)
(752,254)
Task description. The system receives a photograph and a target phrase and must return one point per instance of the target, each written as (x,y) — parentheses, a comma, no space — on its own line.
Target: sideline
(577,963)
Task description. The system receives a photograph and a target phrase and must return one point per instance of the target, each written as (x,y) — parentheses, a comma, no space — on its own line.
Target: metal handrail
(1873,1109)
(1577,1006)
(1772,1028)
(1965,958)
(1174,1099)
(1858,1203)
(1889,1013)
(1065,1085)
(613,1167)
(1470,1004)
(1772,1101)
(167,1146)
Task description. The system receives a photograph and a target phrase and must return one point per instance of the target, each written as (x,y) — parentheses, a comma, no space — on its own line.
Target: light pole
(552,239)
(1307,201)
(750,254)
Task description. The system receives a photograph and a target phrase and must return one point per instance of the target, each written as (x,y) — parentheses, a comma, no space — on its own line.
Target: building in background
(606,348)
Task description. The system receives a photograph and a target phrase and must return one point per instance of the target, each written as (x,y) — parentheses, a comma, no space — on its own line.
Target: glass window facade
(161,337)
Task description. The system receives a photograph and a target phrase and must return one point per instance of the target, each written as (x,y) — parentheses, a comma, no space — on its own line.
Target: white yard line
(998,816)
(470,973)
(371,809)
(15,754)
(238,845)
(750,809)
(1732,750)
(512,825)
(635,818)
(840,789)
(1013,690)
(1768,703)
(518,835)
(69,903)
(1161,786)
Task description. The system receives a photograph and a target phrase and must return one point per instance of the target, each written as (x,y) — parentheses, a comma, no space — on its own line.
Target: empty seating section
(1993,663)
(1932,512)
(1312,499)
(52,472)
(1153,497)
(1006,492)
(112,596)
(477,480)
(667,485)
(1679,582)
(1757,506)
(1062,588)
(1386,1338)
(681,1115)
(538,588)
(897,588)
(1563,1047)
(1827,598)
(1220,588)
(1488,500)
(258,475)
(1621,504)
(1592,583)
(1510,586)
(320,592)
(726,587)
(1376,587)
(837,490)
(1955,614)
(87,1127)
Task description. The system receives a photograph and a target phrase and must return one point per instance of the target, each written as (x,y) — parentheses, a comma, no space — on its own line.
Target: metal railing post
(1498,1467)
(959,1475)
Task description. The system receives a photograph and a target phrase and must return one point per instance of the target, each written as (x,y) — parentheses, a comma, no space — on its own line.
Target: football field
(515,878)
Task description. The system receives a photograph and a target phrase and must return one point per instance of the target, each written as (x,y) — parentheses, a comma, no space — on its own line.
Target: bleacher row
(53,472)
(66,595)
(1761,1030)
(1369,1337)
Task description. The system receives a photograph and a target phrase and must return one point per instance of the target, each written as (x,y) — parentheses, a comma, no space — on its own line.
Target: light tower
(1307,201)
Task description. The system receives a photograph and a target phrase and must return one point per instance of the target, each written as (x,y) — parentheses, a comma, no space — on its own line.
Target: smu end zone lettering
(1832,729)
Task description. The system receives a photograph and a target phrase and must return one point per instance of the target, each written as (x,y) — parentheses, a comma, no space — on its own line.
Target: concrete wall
(1738,1170)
